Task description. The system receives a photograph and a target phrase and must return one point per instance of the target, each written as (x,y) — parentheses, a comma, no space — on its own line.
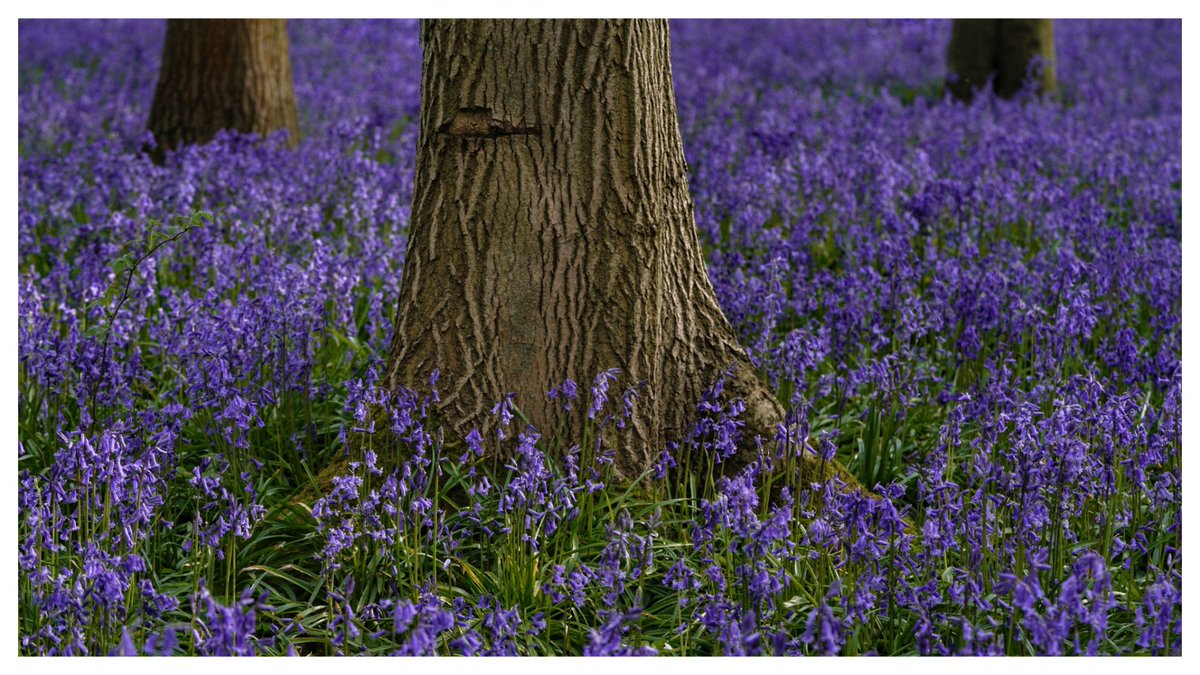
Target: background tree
(223,74)
(1003,48)
(552,235)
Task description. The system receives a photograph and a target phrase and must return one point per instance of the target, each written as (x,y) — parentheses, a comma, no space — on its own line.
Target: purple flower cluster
(229,630)
(82,527)
(522,510)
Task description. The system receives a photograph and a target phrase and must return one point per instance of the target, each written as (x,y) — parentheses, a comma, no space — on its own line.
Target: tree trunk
(223,74)
(1003,48)
(552,235)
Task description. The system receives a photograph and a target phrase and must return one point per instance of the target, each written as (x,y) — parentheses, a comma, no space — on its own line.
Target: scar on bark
(478,122)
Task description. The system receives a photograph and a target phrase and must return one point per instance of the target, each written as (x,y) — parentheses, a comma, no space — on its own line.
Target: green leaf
(122,263)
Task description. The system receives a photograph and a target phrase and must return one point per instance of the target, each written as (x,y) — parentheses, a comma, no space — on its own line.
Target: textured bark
(552,234)
(223,74)
(1004,49)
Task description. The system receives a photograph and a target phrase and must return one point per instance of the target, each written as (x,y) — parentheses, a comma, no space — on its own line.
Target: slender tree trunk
(1005,49)
(223,74)
(552,234)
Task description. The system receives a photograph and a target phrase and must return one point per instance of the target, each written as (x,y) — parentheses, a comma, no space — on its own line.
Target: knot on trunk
(478,122)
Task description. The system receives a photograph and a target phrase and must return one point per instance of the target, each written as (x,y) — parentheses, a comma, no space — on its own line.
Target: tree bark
(1005,49)
(552,235)
(223,74)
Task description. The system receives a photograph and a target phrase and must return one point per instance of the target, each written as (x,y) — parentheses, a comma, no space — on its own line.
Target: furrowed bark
(552,232)
(223,74)
(552,237)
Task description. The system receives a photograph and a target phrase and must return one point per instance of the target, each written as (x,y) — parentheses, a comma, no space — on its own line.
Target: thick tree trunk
(223,74)
(552,234)
(1004,49)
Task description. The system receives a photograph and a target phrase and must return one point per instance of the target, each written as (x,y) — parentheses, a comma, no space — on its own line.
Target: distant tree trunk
(552,235)
(223,74)
(1003,48)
